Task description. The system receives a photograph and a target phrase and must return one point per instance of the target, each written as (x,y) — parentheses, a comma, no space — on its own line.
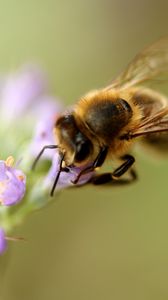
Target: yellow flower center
(9,161)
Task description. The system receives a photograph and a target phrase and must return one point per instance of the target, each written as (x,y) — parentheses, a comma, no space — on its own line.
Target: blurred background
(91,243)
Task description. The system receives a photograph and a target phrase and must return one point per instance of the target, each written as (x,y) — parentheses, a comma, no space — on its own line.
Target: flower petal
(66,178)
(12,184)
(3,242)
(20,90)
(49,111)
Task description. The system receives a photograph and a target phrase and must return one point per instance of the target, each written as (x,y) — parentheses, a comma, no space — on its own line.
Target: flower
(49,110)
(12,183)
(25,104)
(3,242)
(66,178)
(19,91)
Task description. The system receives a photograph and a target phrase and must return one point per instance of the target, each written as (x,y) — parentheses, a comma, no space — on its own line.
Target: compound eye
(83,150)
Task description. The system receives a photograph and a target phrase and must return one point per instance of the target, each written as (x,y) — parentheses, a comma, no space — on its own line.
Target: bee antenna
(58,175)
(41,153)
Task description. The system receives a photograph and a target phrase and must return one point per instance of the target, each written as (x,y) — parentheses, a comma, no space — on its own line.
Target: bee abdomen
(107,118)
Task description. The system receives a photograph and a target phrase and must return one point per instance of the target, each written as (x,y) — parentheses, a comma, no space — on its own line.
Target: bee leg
(129,160)
(97,163)
(57,175)
(41,153)
(114,176)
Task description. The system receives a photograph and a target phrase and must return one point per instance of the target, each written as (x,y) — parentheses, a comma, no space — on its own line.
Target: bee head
(72,141)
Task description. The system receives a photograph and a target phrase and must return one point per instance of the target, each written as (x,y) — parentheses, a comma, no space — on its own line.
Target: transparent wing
(148,64)
(155,124)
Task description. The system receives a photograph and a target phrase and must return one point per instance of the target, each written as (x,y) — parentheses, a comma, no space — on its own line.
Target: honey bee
(105,123)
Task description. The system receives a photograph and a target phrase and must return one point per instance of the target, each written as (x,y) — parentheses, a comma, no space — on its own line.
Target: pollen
(21,177)
(9,161)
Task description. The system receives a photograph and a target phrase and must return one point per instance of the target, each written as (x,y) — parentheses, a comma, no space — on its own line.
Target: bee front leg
(115,176)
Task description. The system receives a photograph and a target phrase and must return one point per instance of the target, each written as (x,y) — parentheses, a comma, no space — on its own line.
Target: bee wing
(148,64)
(155,124)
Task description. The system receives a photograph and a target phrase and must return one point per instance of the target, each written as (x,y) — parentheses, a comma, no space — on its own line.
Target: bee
(105,123)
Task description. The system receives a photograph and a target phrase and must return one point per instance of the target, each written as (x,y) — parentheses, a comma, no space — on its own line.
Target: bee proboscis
(106,122)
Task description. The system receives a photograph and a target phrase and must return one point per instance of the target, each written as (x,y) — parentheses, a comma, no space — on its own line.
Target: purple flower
(20,90)
(66,178)
(12,183)
(3,243)
(49,110)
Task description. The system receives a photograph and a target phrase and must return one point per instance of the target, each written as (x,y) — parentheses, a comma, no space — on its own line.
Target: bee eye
(83,150)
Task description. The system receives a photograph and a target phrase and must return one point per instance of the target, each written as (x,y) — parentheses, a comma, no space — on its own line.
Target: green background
(91,243)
